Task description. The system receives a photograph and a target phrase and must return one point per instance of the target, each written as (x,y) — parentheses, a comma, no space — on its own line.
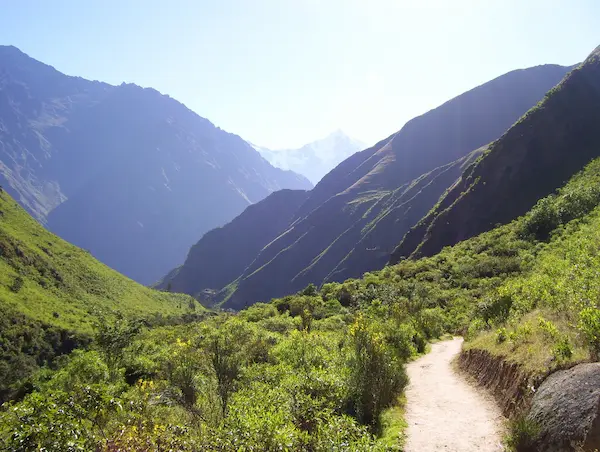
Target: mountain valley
(437,290)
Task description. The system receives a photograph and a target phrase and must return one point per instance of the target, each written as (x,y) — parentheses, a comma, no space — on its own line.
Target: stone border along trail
(446,413)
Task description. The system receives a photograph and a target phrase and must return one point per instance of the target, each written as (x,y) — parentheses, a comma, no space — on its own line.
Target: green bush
(563,349)
(495,309)
(501,335)
(589,325)
(258,312)
(522,435)
(17,284)
(377,378)
(542,219)
(432,322)
(549,329)
(282,323)
(475,327)
(401,339)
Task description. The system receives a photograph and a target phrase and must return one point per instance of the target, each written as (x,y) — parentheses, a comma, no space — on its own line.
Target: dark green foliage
(377,377)
(494,309)
(310,290)
(542,220)
(589,324)
(575,200)
(227,362)
(112,337)
(68,412)
(17,284)
(27,345)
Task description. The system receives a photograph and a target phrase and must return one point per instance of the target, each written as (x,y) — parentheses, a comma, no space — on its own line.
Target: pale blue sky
(281,73)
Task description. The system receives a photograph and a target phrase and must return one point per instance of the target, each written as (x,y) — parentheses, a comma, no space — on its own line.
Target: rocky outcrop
(566,407)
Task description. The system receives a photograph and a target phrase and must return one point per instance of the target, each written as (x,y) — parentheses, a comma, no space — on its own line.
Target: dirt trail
(443,411)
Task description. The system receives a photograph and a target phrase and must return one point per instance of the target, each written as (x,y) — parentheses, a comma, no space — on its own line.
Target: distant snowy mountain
(315,159)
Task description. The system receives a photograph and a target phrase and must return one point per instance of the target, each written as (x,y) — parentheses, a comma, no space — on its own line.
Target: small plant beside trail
(522,435)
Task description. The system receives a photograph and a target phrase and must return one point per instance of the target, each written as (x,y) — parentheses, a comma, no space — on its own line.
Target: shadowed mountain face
(224,253)
(537,155)
(352,220)
(315,159)
(125,172)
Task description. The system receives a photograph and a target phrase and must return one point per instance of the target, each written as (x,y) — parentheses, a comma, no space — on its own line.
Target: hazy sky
(281,73)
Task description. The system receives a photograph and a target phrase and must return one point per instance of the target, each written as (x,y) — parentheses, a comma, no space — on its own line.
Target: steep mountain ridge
(318,243)
(126,172)
(523,166)
(353,219)
(224,253)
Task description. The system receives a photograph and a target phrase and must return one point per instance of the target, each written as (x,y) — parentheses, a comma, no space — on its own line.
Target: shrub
(310,290)
(17,284)
(376,375)
(282,323)
(522,434)
(231,347)
(501,335)
(495,309)
(589,325)
(258,312)
(183,369)
(400,338)
(542,219)
(548,328)
(562,349)
(522,334)
(259,418)
(432,322)
(113,337)
(475,327)
(334,323)
(420,342)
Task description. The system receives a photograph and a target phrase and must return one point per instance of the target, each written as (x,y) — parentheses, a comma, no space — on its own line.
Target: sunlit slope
(50,280)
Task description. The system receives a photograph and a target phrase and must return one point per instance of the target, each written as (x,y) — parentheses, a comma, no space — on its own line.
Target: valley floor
(443,411)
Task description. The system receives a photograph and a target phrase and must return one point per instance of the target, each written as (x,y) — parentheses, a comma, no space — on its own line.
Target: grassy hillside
(53,294)
(323,369)
(49,280)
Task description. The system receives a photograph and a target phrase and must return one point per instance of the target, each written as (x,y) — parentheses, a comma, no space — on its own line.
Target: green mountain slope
(537,155)
(50,280)
(52,294)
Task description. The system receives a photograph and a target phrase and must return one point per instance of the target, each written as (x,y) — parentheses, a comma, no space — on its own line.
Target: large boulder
(566,408)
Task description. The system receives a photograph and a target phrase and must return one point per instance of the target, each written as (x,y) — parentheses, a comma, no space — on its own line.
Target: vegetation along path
(443,411)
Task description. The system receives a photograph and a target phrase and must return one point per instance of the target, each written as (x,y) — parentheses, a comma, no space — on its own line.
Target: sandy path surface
(443,411)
